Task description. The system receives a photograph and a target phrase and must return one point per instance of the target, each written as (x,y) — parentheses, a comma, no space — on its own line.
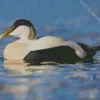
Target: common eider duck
(45,49)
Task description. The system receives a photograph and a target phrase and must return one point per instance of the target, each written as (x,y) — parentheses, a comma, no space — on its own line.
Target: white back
(50,42)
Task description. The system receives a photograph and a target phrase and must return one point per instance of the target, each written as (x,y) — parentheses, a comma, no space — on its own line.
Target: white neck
(25,40)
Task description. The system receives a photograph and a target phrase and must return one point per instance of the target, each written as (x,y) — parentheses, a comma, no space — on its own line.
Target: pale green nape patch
(32,34)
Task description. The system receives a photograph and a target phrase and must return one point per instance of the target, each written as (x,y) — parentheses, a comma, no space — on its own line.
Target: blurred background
(65,18)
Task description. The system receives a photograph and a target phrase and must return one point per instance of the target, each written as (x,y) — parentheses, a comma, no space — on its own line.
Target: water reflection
(22,68)
(15,67)
(22,83)
(50,82)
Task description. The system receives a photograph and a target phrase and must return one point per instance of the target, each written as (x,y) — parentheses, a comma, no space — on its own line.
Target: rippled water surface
(49,82)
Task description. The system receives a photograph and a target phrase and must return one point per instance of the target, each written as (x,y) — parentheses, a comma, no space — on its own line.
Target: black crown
(22,22)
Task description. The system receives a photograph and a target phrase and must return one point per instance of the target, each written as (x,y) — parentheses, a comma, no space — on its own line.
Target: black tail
(96,48)
(90,51)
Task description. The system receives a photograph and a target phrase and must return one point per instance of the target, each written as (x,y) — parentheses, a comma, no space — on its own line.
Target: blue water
(49,82)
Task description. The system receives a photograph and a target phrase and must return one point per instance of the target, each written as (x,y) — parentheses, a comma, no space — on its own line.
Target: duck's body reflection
(20,67)
(24,86)
(15,67)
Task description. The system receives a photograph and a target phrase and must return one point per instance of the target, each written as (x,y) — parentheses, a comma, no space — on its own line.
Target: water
(49,82)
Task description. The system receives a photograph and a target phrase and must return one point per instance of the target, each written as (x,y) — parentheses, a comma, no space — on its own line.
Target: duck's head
(22,28)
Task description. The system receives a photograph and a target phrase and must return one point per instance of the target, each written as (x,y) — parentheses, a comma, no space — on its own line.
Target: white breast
(15,51)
